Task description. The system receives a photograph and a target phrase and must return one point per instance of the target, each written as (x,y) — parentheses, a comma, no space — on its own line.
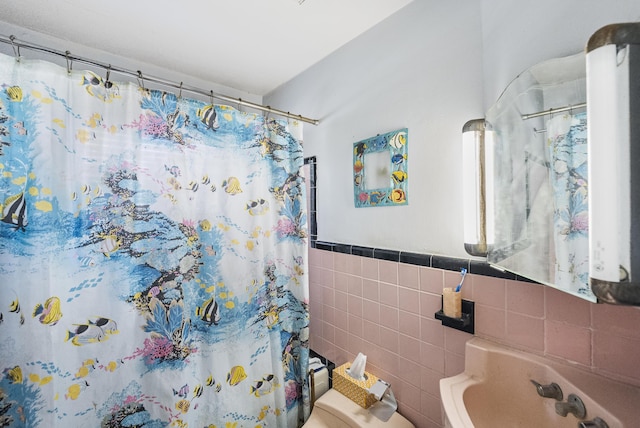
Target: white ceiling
(249,45)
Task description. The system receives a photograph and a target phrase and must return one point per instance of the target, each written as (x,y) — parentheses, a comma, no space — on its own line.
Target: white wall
(430,67)
(519,34)
(420,69)
(32,37)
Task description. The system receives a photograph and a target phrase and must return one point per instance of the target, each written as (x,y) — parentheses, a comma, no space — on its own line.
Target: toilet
(334,410)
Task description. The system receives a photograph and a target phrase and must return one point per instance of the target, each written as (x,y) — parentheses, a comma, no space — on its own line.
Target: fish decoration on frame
(393,190)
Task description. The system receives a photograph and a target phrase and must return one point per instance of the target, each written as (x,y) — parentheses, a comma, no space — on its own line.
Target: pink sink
(495,390)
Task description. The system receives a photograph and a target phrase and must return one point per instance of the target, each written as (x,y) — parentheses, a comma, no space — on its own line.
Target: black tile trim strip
(362,251)
(390,255)
(327,246)
(450,263)
(416,259)
(476,267)
(342,248)
(311,197)
(483,268)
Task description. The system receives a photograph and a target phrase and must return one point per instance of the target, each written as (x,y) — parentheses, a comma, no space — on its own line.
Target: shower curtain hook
(140,80)
(211,97)
(67,55)
(16,48)
(107,83)
(180,92)
(239,104)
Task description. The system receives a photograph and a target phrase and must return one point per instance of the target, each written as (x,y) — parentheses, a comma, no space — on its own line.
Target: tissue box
(356,390)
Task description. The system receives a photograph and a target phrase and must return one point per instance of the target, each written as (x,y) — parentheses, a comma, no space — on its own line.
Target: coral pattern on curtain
(153,258)
(567,145)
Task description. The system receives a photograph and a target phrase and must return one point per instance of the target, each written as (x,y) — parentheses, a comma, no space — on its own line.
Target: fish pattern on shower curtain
(153,258)
(567,146)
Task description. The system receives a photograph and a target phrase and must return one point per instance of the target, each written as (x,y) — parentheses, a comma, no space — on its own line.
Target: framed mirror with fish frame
(380,170)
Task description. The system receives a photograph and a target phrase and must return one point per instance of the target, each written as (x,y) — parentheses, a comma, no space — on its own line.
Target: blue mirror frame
(395,143)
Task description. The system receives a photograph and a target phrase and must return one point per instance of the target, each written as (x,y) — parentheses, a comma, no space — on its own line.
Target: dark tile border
(416,259)
(312,212)
(342,248)
(320,245)
(449,263)
(476,267)
(390,255)
(483,268)
(362,251)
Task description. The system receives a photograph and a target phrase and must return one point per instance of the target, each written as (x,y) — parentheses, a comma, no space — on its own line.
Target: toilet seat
(334,410)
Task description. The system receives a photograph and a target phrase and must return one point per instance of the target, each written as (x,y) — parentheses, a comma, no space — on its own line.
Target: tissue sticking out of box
(356,370)
(356,390)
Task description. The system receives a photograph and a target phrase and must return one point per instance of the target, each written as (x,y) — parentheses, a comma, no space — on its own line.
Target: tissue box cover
(356,390)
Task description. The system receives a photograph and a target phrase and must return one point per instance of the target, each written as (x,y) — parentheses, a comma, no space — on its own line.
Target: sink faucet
(573,405)
(552,390)
(595,423)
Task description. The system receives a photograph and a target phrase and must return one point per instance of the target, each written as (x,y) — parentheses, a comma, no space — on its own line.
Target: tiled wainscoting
(385,309)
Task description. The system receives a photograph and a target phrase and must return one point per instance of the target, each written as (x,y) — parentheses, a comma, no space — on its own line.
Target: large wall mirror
(541,177)
(566,140)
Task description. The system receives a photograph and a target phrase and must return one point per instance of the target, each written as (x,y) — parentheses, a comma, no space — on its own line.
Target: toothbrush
(463,272)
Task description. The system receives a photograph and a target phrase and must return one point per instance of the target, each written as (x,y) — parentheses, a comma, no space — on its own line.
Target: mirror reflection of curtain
(540,194)
(567,145)
(153,258)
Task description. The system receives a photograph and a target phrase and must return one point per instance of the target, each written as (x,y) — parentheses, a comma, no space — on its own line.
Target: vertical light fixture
(613,115)
(477,182)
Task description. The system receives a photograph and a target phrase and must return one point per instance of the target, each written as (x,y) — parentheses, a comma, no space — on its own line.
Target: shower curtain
(153,258)
(567,144)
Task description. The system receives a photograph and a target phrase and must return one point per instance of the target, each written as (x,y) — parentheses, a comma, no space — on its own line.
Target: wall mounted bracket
(465,323)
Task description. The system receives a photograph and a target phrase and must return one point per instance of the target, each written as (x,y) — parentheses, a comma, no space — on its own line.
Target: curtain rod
(11,40)
(552,110)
